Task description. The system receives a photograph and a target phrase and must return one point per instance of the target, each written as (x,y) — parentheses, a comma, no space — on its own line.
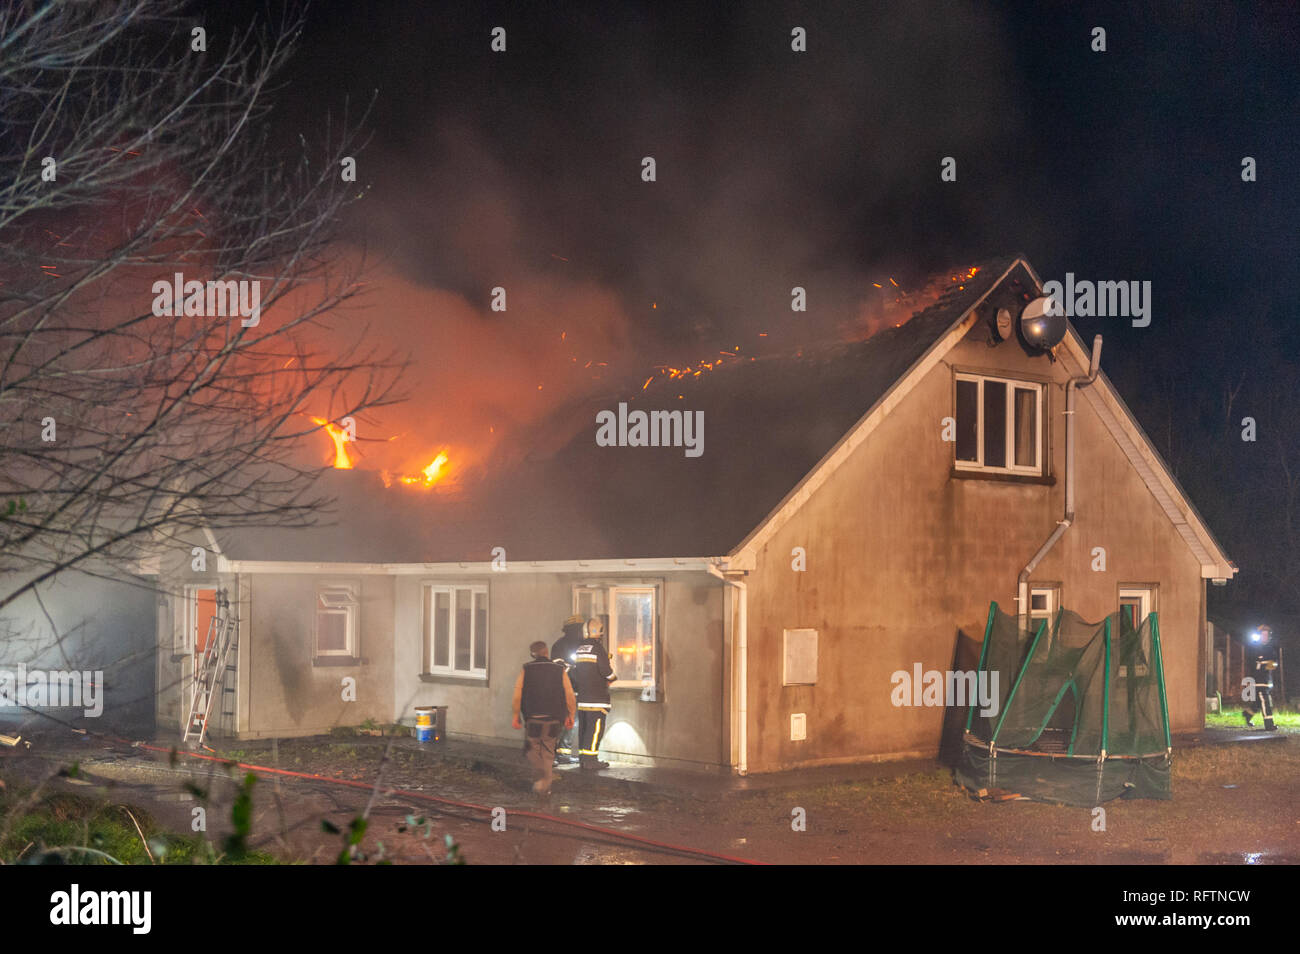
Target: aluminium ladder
(210,670)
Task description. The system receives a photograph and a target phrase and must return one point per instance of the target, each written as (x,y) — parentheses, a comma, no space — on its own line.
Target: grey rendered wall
(684,724)
(93,624)
(283,691)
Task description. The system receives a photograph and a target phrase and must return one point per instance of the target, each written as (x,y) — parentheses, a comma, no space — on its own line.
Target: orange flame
(431,474)
(434,470)
(342,459)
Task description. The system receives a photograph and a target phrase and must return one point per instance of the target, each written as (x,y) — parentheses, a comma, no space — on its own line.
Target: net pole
(984,655)
(1051,711)
(1023,669)
(1074,733)
(1105,709)
(1160,677)
(1105,693)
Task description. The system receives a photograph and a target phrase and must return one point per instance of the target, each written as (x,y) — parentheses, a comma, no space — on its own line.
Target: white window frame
(1146,595)
(1012,384)
(611,591)
(427,591)
(349,607)
(1053,593)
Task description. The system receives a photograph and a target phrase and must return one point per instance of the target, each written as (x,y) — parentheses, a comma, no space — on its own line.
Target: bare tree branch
(127,157)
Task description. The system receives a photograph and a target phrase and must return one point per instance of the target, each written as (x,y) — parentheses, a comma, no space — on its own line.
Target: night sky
(821,169)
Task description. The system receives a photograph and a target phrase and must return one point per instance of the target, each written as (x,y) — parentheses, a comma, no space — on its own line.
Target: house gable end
(1101,396)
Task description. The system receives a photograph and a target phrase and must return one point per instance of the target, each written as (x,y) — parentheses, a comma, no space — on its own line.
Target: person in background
(1263,653)
(592,675)
(562,652)
(543,702)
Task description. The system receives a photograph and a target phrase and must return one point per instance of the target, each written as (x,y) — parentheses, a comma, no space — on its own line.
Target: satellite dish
(1042,324)
(1002,324)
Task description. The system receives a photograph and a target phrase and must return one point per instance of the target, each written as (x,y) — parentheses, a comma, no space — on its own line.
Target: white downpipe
(742,671)
(1022,593)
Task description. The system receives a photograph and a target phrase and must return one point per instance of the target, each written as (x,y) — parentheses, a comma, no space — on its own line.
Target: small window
(632,640)
(630,615)
(336,619)
(455,629)
(995,424)
(1043,604)
(592,602)
(968,427)
(999,425)
(800,658)
(1043,601)
(1135,605)
(1025,427)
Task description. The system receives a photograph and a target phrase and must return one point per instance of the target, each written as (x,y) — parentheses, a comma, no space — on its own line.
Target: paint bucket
(424,719)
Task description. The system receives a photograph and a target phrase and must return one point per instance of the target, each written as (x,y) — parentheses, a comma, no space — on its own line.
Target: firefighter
(562,653)
(545,700)
(592,675)
(1265,654)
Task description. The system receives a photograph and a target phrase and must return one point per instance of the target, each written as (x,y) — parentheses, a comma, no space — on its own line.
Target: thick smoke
(775,169)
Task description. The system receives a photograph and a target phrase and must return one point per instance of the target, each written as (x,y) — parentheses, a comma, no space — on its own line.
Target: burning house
(855,510)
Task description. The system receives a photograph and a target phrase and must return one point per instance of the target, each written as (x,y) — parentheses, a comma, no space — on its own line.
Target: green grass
(1227,764)
(1286,718)
(82,830)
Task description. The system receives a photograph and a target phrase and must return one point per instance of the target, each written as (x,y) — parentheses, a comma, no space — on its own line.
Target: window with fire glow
(456,630)
(629,627)
(999,425)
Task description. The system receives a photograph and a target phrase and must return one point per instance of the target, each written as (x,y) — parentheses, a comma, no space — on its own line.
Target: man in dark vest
(545,701)
(562,653)
(592,675)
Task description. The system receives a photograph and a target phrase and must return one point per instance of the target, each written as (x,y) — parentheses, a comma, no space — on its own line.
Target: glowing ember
(342,459)
(694,371)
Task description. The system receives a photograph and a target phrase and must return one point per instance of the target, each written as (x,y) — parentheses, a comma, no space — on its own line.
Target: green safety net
(1080,716)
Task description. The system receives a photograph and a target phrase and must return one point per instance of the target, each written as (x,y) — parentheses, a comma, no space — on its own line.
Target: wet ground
(1233,804)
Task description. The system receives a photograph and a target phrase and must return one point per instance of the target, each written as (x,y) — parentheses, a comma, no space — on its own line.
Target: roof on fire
(771,423)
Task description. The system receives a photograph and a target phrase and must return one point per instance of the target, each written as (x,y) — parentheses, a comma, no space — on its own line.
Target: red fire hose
(447,801)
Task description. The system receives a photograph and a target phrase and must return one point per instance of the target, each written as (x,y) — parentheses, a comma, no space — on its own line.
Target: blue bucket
(424,723)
